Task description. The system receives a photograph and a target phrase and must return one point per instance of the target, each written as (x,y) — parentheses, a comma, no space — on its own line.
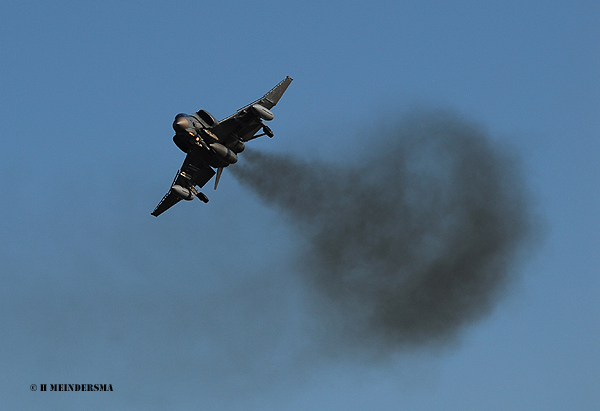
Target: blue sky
(187,311)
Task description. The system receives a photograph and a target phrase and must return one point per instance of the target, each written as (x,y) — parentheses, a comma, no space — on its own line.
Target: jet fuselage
(193,132)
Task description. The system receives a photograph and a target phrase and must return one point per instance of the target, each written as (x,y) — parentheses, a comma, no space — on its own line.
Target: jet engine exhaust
(413,244)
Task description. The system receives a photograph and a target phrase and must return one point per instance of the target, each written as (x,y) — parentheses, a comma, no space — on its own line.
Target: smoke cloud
(405,248)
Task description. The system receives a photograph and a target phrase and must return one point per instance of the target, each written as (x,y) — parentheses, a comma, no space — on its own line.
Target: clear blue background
(199,309)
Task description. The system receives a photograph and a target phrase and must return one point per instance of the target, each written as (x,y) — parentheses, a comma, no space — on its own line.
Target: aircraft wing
(272,97)
(193,172)
(243,124)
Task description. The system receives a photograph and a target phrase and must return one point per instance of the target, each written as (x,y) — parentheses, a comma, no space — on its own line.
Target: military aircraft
(211,144)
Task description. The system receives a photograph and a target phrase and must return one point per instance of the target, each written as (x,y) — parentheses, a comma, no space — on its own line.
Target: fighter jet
(211,144)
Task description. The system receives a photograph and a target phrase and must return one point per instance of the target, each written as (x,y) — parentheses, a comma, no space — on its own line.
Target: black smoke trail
(412,244)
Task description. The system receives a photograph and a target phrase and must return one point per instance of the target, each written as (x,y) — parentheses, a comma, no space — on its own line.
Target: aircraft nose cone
(181,123)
